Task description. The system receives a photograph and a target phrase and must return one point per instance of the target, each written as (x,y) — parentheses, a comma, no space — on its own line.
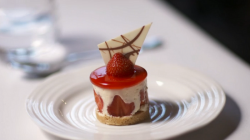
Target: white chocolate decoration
(128,44)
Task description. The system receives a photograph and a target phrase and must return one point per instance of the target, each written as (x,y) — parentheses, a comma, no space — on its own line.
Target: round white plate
(181,100)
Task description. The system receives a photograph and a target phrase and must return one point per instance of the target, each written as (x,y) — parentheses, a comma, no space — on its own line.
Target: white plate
(181,100)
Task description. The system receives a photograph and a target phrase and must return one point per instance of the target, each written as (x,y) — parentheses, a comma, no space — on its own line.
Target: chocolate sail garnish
(129,44)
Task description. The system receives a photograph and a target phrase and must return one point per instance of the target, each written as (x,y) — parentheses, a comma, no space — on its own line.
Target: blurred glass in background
(25,23)
(27,35)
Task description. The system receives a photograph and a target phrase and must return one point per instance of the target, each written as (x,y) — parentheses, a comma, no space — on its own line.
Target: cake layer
(99,78)
(133,97)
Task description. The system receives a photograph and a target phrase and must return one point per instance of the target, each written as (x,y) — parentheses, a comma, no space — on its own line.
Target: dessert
(120,87)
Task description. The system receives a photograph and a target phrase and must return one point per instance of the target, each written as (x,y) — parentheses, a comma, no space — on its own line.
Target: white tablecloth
(184,44)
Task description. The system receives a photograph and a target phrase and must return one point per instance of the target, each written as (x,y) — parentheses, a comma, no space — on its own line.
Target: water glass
(25,25)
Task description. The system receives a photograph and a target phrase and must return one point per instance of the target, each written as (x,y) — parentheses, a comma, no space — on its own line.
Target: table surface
(92,22)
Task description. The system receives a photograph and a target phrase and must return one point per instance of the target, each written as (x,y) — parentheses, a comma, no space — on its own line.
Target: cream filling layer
(128,95)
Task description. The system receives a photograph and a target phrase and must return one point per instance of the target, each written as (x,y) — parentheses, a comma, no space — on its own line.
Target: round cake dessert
(120,101)
(120,87)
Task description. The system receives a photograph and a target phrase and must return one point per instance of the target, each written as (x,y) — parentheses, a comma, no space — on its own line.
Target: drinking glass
(25,26)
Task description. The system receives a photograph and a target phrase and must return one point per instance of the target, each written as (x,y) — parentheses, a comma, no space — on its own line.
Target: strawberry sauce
(99,78)
(99,102)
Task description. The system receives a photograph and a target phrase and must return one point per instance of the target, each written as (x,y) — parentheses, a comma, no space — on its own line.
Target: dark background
(228,21)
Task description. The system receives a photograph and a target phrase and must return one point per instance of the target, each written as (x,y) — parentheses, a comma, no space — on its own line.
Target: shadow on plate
(164,110)
(220,128)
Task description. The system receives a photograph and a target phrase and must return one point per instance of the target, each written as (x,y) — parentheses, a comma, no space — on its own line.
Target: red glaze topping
(119,108)
(99,78)
(99,102)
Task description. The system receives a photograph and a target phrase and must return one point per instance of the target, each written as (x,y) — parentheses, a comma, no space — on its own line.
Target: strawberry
(119,108)
(120,66)
(99,101)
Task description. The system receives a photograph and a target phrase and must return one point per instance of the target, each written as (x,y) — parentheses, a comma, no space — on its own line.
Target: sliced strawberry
(120,66)
(143,97)
(99,101)
(119,108)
